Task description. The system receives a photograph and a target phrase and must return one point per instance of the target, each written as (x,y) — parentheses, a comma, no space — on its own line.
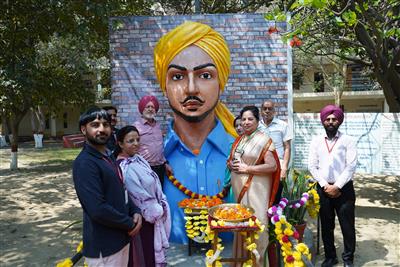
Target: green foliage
(363,32)
(48,46)
(293,187)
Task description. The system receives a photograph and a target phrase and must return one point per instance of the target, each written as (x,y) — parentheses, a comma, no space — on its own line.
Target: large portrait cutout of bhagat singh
(192,64)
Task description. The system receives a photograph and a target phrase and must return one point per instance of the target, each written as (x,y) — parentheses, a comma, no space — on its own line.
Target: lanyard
(116,168)
(327,146)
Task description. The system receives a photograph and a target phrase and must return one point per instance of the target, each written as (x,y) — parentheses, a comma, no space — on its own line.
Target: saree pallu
(262,189)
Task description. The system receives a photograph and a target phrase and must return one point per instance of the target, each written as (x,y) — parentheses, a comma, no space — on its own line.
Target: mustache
(192,97)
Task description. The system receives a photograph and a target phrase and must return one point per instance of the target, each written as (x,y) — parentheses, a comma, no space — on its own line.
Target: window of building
(318,82)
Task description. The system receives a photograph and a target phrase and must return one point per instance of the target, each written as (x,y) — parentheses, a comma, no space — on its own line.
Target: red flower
(272,29)
(285,238)
(295,41)
(289,259)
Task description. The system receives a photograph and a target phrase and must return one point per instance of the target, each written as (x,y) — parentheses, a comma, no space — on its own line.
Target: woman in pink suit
(145,190)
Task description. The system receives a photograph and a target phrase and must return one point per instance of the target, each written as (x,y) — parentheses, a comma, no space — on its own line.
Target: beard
(97,140)
(148,116)
(189,118)
(331,130)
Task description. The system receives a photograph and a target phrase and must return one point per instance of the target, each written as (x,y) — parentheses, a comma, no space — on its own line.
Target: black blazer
(107,212)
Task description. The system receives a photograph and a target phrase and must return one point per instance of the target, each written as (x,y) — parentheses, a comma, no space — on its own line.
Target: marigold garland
(213,256)
(192,194)
(294,253)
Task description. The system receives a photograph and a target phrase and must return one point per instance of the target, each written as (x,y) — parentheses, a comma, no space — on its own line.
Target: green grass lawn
(29,157)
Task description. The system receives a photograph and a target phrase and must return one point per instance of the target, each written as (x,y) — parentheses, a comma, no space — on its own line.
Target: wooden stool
(250,232)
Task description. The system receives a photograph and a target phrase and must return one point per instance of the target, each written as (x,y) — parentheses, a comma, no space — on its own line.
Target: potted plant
(294,186)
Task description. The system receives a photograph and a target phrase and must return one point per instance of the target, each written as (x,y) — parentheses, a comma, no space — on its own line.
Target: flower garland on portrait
(192,194)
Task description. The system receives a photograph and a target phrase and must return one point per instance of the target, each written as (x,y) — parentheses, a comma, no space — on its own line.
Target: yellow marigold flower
(210,253)
(196,223)
(218,264)
(278,225)
(297,255)
(186,191)
(214,223)
(248,240)
(262,228)
(248,263)
(256,236)
(243,233)
(221,222)
(187,210)
(204,212)
(65,263)
(288,232)
(188,218)
(301,247)
(203,217)
(251,222)
(80,247)
(282,219)
(298,264)
(220,247)
(278,231)
(251,247)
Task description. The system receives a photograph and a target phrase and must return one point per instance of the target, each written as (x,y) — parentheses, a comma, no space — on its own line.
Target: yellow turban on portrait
(212,42)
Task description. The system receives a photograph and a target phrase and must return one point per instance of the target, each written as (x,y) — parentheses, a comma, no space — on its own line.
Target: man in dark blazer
(109,216)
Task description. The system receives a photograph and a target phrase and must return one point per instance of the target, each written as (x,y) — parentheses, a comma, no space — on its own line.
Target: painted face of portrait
(331,124)
(238,127)
(268,111)
(97,132)
(130,145)
(192,85)
(149,111)
(249,122)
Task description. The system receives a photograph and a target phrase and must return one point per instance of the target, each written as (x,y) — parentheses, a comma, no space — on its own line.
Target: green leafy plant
(293,187)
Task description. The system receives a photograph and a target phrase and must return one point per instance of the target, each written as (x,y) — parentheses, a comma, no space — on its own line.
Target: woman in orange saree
(255,169)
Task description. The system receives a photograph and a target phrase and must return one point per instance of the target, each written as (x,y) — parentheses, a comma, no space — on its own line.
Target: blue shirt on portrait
(203,173)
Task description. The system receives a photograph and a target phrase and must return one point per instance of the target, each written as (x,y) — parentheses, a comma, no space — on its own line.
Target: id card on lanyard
(120,176)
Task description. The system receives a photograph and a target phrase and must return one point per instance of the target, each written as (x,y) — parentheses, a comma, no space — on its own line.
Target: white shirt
(279,132)
(338,165)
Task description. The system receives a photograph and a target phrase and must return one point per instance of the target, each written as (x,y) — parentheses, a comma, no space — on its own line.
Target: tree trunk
(390,89)
(14,122)
(14,146)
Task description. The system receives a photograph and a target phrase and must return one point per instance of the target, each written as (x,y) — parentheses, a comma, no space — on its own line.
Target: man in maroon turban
(332,162)
(151,138)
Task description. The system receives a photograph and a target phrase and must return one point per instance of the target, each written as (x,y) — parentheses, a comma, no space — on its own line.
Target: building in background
(312,90)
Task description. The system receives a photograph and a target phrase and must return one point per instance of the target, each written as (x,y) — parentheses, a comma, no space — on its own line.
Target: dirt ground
(38,201)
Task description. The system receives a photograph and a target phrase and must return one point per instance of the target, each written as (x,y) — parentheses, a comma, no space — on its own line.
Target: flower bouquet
(295,188)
